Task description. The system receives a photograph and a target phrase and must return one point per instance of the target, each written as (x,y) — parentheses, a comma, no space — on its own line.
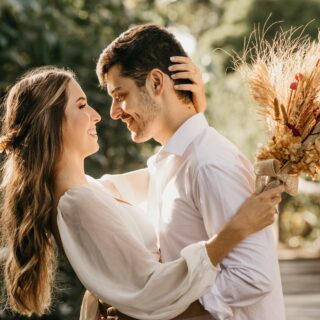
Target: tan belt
(194,310)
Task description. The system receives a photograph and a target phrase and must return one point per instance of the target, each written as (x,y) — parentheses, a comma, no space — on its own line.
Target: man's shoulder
(211,148)
(212,159)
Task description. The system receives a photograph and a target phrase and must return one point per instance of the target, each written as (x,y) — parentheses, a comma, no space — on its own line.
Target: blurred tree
(300,221)
(70,34)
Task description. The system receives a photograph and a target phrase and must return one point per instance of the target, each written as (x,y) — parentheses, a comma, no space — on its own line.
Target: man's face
(133,105)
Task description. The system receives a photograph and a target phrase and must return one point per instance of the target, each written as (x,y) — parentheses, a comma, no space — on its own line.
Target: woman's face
(79,126)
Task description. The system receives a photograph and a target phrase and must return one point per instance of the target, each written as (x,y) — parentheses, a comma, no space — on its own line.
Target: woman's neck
(69,174)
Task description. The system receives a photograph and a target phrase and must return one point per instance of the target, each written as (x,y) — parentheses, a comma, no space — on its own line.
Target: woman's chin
(93,150)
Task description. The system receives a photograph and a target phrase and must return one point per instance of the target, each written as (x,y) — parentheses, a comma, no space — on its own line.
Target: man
(197,180)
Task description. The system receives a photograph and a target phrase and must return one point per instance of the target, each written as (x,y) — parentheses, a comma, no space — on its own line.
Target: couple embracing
(184,238)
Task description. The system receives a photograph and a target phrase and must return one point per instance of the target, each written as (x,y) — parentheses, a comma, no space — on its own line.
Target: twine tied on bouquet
(270,175)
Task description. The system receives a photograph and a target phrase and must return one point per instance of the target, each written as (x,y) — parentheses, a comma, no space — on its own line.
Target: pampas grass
(283,77)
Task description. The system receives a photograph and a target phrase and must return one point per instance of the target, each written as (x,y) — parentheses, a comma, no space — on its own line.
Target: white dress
(112,247)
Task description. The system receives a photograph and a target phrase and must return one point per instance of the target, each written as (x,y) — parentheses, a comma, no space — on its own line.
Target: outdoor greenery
(72,33)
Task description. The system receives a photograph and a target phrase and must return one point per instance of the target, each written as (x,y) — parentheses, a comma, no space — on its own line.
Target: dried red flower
(293,129)
(298,76)
(294,85)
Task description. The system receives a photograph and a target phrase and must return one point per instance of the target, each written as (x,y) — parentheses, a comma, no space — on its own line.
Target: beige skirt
(89,307)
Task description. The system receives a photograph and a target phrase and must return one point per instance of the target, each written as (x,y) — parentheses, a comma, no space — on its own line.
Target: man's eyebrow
(81,98)
(114,90)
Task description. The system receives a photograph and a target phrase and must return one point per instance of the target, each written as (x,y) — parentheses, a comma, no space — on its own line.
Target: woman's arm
(255,214)
(104,247)
(113,263)
(130,186)
(184,68)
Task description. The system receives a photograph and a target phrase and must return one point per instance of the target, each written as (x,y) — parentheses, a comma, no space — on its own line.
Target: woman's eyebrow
(81,98)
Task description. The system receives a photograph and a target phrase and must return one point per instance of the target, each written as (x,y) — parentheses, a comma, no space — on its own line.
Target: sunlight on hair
(184,36)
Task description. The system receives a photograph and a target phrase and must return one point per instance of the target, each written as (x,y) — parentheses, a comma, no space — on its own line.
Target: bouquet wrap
(269,174)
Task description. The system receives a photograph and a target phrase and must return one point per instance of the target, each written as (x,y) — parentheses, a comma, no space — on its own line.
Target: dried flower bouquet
(283,76)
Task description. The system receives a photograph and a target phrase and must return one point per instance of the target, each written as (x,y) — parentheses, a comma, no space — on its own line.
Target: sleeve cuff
(196,254)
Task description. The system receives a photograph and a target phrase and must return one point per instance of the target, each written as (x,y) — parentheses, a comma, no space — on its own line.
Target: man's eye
(82,106)
(119,98)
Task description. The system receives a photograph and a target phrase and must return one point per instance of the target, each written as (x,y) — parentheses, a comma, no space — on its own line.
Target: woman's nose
(95,115)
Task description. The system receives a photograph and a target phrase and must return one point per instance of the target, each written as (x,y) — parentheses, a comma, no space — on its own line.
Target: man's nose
(115,111)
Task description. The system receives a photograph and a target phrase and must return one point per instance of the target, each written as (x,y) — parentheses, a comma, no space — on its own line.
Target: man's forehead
(116,81)
(113,74)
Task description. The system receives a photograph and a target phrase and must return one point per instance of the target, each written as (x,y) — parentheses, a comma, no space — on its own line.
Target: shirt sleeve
(247,273)
(131,186)
(117,268)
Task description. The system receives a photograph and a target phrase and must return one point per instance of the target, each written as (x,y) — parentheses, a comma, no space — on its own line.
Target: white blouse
(113,249)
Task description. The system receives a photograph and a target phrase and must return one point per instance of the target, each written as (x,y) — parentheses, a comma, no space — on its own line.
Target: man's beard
(150,110)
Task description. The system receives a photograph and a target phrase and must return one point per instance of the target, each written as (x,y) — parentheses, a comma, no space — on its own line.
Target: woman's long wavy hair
(32,139)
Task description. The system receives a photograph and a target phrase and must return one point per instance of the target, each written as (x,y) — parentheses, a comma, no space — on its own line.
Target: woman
(48,131)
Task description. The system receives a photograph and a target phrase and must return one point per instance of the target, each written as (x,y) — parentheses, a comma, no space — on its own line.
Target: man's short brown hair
(139,50)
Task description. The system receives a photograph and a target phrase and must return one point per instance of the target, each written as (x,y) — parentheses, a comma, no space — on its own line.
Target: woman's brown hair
(32,139)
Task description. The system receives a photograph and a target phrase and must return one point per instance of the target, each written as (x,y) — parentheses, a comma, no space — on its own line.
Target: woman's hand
(183,68)
(257,212)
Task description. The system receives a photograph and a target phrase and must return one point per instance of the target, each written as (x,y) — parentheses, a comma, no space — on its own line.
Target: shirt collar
(185,134)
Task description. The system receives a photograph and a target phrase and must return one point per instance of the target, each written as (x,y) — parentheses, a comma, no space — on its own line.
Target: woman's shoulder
(89,196)
(83,196)
(88,207)
(76,193)
(74,198)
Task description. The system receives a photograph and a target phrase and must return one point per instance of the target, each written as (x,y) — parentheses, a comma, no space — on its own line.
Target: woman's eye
(82,106)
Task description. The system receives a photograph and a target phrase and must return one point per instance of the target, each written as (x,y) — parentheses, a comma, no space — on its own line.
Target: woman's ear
(155,81)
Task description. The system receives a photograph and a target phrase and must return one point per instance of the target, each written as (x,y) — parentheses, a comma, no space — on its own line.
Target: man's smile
(127,119)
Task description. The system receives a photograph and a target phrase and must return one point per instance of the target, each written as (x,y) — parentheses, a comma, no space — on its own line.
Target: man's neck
(172,120)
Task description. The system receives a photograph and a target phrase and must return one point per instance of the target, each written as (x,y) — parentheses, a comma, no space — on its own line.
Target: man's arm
(247,272)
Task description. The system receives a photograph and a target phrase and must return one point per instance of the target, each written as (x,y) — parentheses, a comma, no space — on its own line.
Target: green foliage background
(72,33)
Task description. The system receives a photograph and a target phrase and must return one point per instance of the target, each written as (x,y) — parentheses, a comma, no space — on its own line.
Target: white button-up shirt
(196,183)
